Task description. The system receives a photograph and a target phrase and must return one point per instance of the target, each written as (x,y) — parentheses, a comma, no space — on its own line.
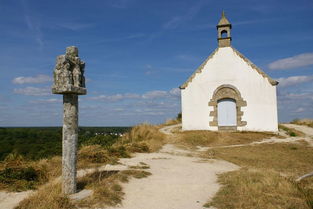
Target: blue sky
(137,53)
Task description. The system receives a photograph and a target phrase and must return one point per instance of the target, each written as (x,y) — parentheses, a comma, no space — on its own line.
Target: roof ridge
(253,66)
(198,70)
(261,72)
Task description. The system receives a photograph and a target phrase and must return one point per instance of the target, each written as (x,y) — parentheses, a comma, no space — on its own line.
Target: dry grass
(266,179)
(306,122)
(143,138)
(291,131)
(291,159)
(18,174)
(94,155)
(212,138)
(257,189)
(106,186)
(170,122)
(47,197)
(108,191)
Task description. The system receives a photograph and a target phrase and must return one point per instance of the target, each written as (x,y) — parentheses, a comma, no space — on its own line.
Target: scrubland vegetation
(44,142)
(290,131)
(267,175)
(211,138)
(106,187)
(31,156)
(266,178)
(18,173)
(306,122)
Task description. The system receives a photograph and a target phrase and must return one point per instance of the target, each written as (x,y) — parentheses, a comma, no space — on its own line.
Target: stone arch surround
(231,92)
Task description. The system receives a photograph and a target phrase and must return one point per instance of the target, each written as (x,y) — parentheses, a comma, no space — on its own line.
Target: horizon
(138,53)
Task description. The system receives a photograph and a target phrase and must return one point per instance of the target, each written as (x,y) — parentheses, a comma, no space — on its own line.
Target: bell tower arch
(223,32)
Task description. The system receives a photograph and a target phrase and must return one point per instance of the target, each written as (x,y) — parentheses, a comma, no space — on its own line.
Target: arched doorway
(227,103)
(226,112)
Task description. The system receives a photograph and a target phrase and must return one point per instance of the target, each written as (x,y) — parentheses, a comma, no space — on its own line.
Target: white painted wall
(226,67)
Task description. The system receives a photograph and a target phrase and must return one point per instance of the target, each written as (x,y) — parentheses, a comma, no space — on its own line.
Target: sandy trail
(308,131)
(168,129)
(177,181)
(9,200)
(305,129)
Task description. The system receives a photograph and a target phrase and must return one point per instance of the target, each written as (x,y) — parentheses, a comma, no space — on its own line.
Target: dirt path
(304,129)
(178,180)
(168,129)
(9,200)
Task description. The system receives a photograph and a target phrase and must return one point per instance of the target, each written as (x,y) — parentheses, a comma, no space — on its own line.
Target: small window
(224,34)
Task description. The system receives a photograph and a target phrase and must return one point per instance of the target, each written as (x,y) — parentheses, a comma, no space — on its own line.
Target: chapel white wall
(226,67)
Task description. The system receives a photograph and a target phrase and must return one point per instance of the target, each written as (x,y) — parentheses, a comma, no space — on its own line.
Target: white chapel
(229,92)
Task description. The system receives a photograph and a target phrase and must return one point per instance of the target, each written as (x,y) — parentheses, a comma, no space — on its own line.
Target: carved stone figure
(69,73)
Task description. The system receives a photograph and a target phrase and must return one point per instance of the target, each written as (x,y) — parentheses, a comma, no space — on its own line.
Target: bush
(143,138)
(93,154)
(179,116)
(102,140)
(19,179)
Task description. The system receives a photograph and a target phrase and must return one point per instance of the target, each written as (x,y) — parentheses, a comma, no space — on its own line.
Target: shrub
(103,140)
(19,179)
(93,154)
(143,138)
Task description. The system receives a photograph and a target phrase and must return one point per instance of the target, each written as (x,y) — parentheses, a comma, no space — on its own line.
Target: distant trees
(43,142)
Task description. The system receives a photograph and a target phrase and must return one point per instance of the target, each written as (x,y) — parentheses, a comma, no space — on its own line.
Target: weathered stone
(227,91)
(69,80)
(69,73)
(69,144)
(223,26)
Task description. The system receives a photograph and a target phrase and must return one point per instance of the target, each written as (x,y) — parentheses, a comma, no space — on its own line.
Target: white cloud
(116,97)
(33,91)
(300,109)
(47,101)
(293,80)
(175,92)
(155,94)
(36,79)
(300,60)
(296,96)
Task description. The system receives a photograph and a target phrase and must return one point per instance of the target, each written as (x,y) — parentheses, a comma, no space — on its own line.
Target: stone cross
(69,80)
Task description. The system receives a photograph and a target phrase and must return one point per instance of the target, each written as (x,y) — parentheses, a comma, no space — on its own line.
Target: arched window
(224,34)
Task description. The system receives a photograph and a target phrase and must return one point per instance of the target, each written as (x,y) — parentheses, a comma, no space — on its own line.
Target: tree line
(41,142)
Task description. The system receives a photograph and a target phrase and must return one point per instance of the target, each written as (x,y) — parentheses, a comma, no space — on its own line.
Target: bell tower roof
(223,21)
(223,32)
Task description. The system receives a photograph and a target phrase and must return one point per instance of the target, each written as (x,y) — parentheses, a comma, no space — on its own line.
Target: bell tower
(223,32)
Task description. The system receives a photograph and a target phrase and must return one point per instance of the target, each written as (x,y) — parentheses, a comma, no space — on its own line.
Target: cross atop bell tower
(223,32)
